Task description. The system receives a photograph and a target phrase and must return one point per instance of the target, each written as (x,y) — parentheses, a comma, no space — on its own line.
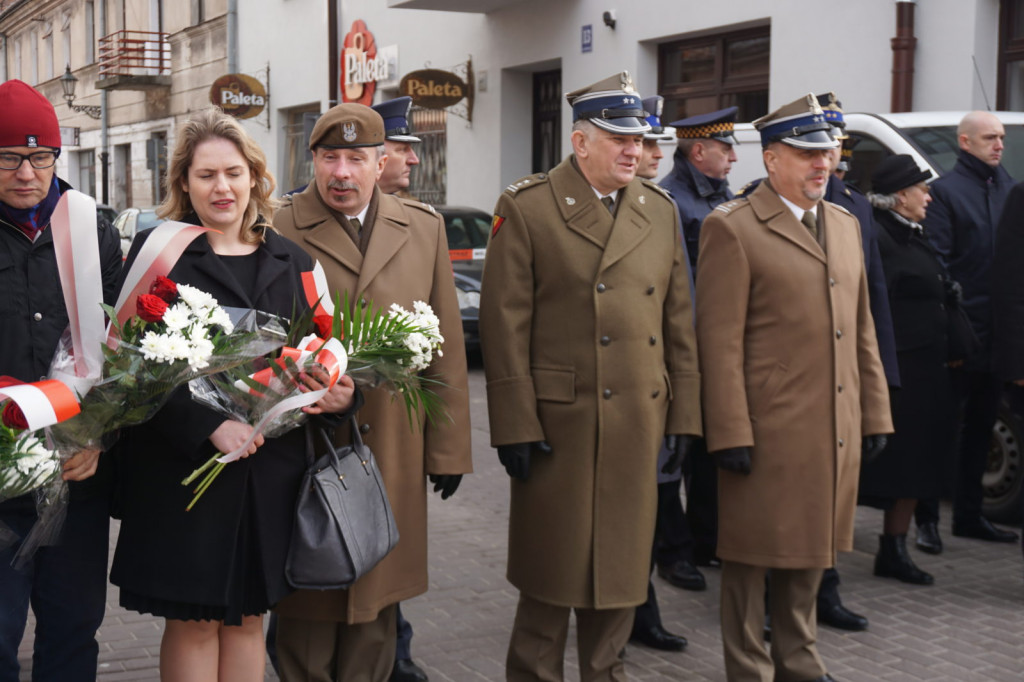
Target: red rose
(151,308)
(164,289)
(13,417)
(324,324)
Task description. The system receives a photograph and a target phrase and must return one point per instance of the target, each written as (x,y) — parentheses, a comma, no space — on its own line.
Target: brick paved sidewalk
(968,627)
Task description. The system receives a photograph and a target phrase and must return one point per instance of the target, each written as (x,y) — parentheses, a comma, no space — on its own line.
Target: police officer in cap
(704,156)
(398,145)
(590,360)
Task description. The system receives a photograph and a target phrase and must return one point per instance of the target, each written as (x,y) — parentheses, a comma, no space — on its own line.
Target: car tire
(1003,481)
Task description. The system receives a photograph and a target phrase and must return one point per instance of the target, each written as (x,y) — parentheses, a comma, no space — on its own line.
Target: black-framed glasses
(38,160)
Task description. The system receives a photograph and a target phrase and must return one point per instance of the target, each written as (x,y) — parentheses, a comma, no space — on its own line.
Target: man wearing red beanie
(66,582)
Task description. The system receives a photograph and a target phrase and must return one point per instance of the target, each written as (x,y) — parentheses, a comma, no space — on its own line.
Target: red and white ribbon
(332,356)
(44,403)
(318,294)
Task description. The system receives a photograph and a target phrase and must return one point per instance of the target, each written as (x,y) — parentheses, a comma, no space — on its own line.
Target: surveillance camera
(609,19)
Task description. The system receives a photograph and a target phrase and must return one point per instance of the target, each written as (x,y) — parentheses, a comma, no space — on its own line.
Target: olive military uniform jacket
(406,260)
(587,334)
(791,370)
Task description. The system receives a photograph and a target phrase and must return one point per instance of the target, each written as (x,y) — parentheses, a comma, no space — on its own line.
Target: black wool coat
(917,460)
(199,556)
(1008,290)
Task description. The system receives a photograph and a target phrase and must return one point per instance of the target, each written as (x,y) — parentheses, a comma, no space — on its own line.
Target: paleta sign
(239,95)
(433,88)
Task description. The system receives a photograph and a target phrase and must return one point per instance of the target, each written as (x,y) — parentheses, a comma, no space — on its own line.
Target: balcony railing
(134,58)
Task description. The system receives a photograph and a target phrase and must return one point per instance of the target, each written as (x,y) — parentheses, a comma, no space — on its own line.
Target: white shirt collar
(361,215)
(797,211)
(614,195)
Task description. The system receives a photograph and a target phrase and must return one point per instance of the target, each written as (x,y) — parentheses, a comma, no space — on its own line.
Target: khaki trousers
(324,651)
(792,604)
(536,652)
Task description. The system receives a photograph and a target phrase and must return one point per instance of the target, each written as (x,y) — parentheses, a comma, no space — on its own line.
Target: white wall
(836,45)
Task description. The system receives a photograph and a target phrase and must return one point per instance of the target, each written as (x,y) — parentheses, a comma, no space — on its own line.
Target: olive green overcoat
(588,343)
(791,369)
(406,260)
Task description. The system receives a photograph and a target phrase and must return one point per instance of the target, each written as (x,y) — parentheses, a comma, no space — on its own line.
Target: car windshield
(939,144)
(146,220)
(467,230)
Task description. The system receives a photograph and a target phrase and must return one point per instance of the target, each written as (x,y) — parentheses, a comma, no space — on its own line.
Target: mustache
(341,184)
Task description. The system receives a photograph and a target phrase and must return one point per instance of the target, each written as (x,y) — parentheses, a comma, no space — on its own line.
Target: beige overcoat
(406,260)
(588,343)
(791,368)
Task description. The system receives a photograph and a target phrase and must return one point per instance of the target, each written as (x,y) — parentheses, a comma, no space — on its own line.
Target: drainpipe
(104,119)
(903,47)
(232,36)
(333,53)
(3,58)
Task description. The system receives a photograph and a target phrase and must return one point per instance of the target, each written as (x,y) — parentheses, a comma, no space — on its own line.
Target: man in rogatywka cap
(66,583)
(591,364)
(380,249)
(787,416)
(398,145)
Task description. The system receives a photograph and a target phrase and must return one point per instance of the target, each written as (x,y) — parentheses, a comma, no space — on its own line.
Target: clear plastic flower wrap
(144,360)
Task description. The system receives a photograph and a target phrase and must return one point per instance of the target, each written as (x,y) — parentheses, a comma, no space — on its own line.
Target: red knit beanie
(27,119)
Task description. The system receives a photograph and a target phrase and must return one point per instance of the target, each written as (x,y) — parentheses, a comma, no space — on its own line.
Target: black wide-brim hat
(897,172)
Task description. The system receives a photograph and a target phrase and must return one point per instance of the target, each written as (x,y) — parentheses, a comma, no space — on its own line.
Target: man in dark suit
(967,203)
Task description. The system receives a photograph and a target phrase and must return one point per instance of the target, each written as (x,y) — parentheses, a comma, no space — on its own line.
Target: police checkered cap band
(613,110)
(722,130)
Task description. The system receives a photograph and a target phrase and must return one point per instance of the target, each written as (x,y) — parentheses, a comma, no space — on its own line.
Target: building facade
(514,59)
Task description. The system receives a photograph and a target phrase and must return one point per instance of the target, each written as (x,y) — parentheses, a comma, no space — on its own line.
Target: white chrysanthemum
(220,318)
(177,347)
(155,347)
(422,308)
(197,300)
(177,317)
(202,349)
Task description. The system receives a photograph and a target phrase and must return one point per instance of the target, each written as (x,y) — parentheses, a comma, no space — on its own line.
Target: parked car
(108,212)
(929,137)
(468,230)
(131,221)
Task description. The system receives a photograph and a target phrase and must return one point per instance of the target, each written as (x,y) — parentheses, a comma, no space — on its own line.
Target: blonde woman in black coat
(213,571)
(917,459)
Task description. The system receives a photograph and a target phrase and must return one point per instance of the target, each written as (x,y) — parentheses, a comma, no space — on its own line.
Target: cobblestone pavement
(968,627)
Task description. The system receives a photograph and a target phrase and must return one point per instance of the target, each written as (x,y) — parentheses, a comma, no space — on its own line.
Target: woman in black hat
(917,459)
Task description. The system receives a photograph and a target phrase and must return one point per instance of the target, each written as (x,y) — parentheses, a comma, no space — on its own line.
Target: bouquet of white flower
(25,461)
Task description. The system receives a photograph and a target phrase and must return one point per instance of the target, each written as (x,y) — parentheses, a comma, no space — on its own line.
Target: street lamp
(68,83)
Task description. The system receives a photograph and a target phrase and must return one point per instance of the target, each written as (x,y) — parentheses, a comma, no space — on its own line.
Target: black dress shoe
(842,618)
(407,671)
(981,529)
(683,574)
(928,540)
(657,637)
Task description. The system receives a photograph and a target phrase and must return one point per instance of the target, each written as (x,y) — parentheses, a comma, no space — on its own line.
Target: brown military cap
(348,125)
(801,123)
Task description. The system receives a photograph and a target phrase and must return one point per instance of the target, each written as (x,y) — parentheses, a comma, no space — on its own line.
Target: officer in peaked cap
(590,367)
(703,158)
(652,154)
(775,267)
(832,108)
(398,143)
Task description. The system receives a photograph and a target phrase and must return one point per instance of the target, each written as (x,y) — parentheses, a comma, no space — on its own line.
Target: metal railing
(135,53)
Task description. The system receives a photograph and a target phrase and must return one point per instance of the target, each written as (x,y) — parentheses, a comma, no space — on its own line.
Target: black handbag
(343,521)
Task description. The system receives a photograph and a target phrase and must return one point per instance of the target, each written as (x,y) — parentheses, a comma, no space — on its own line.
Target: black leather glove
(679,446)
(954,292)
(733,459)
(446,484)
(872,446)
(516,457)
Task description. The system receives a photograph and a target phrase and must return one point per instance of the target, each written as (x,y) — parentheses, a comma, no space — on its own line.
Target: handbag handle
(357,443)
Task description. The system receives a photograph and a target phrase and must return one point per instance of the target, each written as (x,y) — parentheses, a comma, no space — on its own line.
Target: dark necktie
(810,223)
(356,225)
(609,203)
